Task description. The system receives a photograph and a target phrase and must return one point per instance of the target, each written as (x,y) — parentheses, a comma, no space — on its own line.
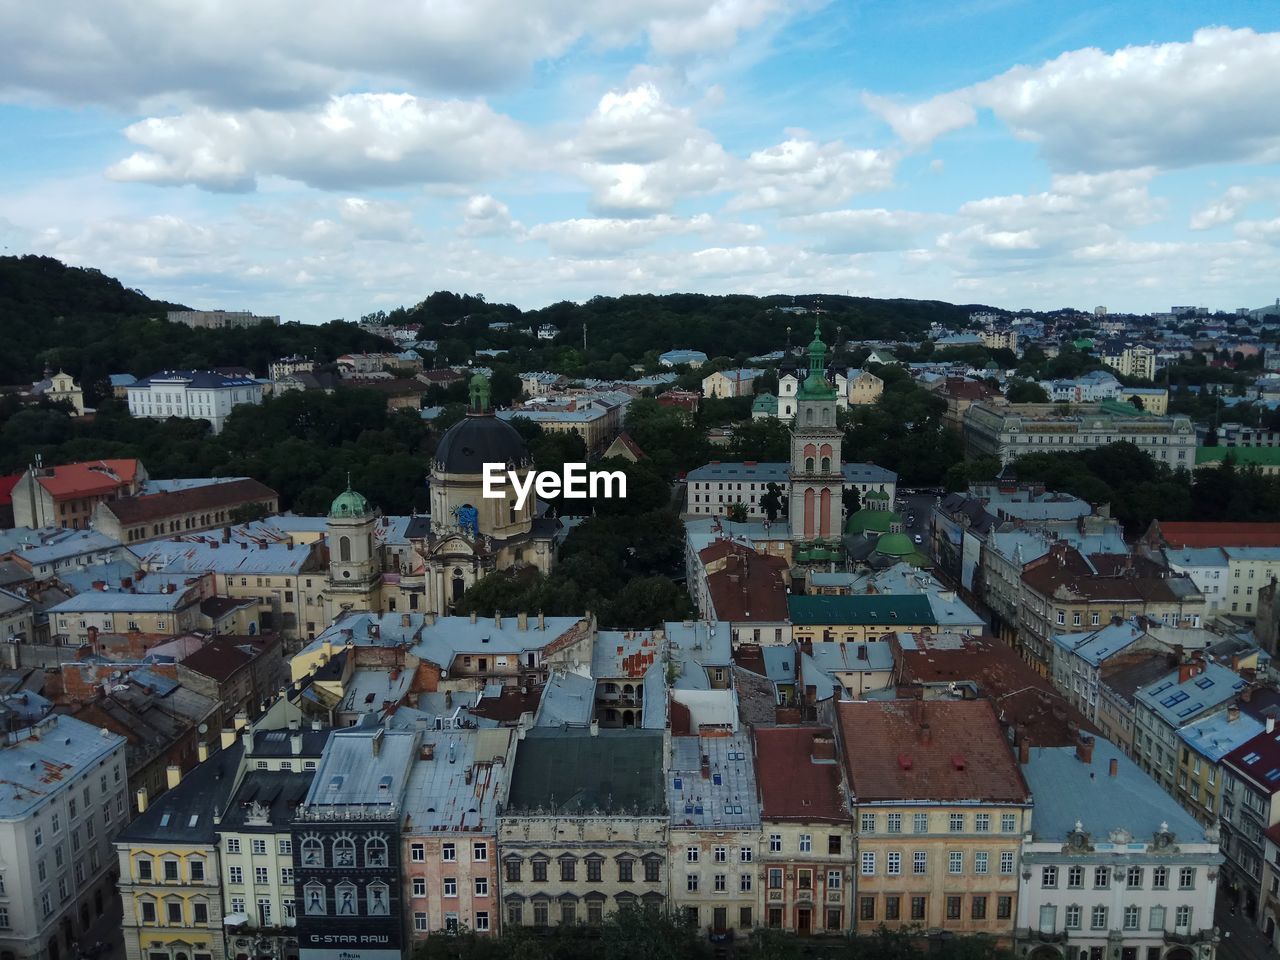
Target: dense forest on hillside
(90,325)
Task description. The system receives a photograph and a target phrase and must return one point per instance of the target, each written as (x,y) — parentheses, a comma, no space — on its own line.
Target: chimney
(522,621)
(172,775)
(473,616)
(142,799)
(428,752)
(1186,671)
(1024,751)
(376,743)
(448,699)
(467,775)
(1113,768)
(1271,724)
(430,619)
(595,728)
(226,534)
(247,737)
(295,744)
(244,544)
(1233,713)
(405,620)
(227,738)
(1084,748)
(202,751)
(497,620)
(542,621)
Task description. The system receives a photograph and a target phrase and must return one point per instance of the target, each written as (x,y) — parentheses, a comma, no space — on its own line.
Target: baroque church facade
(468,535)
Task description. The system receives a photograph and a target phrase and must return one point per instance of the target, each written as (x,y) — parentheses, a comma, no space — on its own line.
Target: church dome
(478,439)
(349,504)
(895,545)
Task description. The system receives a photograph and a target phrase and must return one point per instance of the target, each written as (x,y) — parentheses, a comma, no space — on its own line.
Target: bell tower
(354,571)
(816,509)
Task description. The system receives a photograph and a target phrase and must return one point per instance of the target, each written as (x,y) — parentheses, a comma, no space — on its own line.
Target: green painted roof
(1122,408)
(570,771)
(873,521)
(1243,456)
(1084,343)
(350,504)
(765,402)
(875,495)
(893,611)
(895,545)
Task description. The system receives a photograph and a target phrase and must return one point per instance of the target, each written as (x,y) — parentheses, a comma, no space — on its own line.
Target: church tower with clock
(816,507)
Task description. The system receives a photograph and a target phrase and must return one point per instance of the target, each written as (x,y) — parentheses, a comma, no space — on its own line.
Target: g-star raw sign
(573,483)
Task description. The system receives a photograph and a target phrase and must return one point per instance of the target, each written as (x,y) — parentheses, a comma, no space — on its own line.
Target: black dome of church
(479,438)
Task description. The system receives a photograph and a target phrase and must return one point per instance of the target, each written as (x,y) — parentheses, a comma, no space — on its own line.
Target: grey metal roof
(567,698)
(449,791)
(184,814)
(573,772)
(273,793)
(478,439)
(1178,703)
(50,753)
(726,796)
(1066,790)
(365,766)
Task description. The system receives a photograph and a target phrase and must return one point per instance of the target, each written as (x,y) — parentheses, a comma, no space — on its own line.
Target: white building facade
(192,395)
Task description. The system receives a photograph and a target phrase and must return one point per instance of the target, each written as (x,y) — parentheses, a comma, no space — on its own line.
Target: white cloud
(1168,105)
(1259,231)
(608,237)
(355,140)
(484,216)
(864,231)
(285,53)
(377,219)
(801,174)
(1233,202)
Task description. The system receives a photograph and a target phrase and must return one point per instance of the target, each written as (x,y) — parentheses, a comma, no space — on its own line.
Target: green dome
(868,520)
(349,504)
(895,545)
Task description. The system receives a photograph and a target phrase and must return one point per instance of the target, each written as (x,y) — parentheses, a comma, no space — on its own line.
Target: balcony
(1026,935)
(1190,938)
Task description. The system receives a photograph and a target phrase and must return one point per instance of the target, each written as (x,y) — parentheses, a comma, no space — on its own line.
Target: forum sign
(573,482)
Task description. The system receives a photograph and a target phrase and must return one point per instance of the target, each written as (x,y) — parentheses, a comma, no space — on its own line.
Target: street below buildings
(1241,939)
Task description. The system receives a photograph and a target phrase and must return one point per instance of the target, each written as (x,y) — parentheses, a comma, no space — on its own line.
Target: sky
(327,159)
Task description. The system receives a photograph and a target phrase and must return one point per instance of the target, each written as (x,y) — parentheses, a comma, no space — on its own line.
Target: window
(482,886)
(868,863)
(917,908)
(1004,908)
(955,862)
(235,874)
(196,869)
(1187,879)
(482,921)
(953,908)
(833,844)
(1048,877)
(39,837)
(594,865)
(806,843)
(1155,918)
(651,871)
(173,911)
(920,863)
(746,854)
(1160,878)
(721,882)
(540,871)
(448,852)
(1062,617)
(982,822)
(200,911)
(259,847)
(804,879)
(691,854)
(892,907)
(624,871)
(866,908)
(1073,916)
(895,822)
(868,823)
(480,852)
(955,823)
(775,878)
(833,879)
(144,869)
(568,869)
(978,908)
(568,912)
(540,913)
(261,876)
(1075,877)
(233,844)
(148,910)
(450,886)
(419,886)
(420,922)
(1132,917)
(1098,918)
(1101,877)
(744,883)
(775,843)
(515,914)
(980,858)
(1133,879)
(1008,822)
(691,882)
(920,822)
(892,863)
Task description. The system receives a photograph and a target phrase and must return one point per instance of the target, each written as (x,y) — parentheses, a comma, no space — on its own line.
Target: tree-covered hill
(91,325)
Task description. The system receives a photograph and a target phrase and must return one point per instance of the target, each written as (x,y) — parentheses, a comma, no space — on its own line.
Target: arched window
(826,464)
(314,900)
(375,852)
(312,852)
(826,416)
(808,464)
(808,415)
(344,852)
(344,549)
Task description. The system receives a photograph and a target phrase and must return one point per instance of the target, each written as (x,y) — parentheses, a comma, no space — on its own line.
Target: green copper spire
(479,393)
(815,384)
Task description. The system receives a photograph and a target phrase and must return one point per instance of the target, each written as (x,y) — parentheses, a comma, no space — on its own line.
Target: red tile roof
(1208,534)
(1262,769)
(794,786)
(943,750)
(752,586)
(6,488)
(91,478)
(625,439)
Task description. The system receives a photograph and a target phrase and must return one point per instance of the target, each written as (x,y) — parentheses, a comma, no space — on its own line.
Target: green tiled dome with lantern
(349,504)
(815,386)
